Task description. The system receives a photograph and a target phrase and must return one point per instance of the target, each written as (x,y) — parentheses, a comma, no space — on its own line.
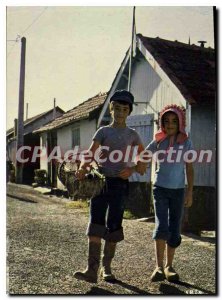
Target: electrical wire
(26,29)
(34,21)
(15,41)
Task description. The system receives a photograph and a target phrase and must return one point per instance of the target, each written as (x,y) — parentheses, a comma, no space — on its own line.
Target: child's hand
(141,168)
(127,172)
(188,198)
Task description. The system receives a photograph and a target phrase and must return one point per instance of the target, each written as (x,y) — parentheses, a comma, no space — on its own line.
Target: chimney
(54,109)
(202,43)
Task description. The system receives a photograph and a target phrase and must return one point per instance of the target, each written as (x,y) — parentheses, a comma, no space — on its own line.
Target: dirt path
(47,244)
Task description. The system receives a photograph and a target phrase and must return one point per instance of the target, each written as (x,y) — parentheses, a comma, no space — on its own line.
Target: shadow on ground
(168,289)
(21,198)
(131,288)
(98,291)
(195,288)
(207,239)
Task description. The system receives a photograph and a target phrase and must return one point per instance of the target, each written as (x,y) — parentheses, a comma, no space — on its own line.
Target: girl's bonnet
(180,112)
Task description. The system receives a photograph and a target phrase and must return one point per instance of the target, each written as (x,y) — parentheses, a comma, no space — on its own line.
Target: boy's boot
(108,254)
(90,274)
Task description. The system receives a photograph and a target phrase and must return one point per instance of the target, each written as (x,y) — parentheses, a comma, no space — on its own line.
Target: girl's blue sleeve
(152,146)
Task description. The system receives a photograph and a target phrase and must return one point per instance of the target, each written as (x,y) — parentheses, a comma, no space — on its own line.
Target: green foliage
(80,204)
(128,215)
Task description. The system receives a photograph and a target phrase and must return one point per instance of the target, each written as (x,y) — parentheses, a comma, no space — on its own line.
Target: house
(170,72)
(75,128)
(30,140)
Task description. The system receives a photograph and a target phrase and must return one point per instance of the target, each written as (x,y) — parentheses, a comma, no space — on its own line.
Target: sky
(74,52)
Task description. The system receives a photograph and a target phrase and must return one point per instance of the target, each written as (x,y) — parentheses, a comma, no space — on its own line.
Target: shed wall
(203,136)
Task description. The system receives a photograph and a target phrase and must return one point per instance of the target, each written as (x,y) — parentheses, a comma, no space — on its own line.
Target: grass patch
(78,204)
(128,215)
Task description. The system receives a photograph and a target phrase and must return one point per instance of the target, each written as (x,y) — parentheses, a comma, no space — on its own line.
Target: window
(75,136)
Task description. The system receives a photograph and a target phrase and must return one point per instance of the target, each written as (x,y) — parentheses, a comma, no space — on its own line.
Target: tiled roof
(30,120)
(85,110)
(191,68)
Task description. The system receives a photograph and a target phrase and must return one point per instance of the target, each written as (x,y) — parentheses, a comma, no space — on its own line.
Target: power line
(34,20)
(15,41)
(26,29)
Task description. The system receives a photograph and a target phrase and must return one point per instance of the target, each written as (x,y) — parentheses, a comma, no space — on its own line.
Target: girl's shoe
(158,274)
(171,274)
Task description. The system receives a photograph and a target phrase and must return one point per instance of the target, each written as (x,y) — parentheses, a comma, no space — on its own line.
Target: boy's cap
(123,96)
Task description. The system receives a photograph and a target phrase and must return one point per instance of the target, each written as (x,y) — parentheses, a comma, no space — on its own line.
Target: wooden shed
(170,72)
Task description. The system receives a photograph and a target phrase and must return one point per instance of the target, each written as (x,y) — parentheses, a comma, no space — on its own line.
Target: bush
(128,215)
(78,204)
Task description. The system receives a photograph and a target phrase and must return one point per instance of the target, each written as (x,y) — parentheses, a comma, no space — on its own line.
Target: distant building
(30,139)
(76,127)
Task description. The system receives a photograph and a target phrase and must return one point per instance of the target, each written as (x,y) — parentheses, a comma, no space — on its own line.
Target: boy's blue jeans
(168,205)
(106,210)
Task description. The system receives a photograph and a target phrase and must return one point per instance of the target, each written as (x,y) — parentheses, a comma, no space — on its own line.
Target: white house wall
(64,138)
(88,128)
(43,143)
(64,141)
(64,135)
(147,86)
(155,93)
(11,149)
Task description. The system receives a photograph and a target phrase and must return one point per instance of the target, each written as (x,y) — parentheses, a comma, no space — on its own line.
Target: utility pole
(27,111)
(131,50)
(20,130)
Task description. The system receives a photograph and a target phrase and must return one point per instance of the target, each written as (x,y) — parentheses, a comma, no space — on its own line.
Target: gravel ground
(46,244)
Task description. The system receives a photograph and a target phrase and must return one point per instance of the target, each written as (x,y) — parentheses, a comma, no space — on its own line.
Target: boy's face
(120,112)
(171,123)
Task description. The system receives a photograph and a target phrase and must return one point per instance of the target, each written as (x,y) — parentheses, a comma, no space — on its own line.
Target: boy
(107,140)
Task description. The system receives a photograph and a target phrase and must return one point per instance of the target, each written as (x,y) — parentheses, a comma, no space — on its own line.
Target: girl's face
(170,123)
(119,112)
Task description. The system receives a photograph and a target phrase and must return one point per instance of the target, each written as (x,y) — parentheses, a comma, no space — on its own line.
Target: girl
(168,190)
